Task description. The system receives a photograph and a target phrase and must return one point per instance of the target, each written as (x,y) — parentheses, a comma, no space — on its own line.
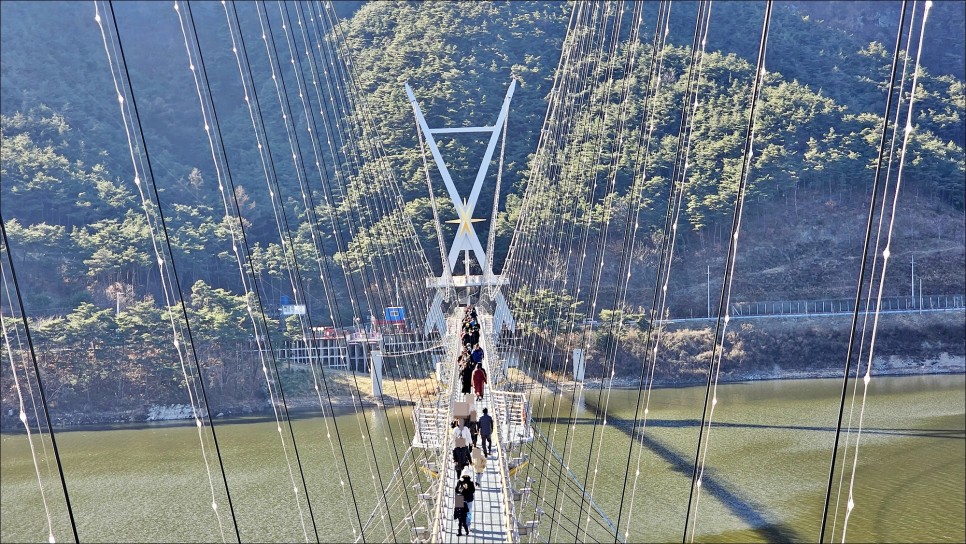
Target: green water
(769,458)
(767,467)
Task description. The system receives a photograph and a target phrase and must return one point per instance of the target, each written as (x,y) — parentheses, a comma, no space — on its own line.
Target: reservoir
(766,471)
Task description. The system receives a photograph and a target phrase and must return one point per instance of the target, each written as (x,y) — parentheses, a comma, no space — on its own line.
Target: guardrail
(514,412)
(429,422)
(836,306)
(498,404)
(509,520)
(509,409)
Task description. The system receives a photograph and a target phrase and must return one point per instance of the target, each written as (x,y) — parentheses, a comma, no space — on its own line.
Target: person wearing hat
(466,488)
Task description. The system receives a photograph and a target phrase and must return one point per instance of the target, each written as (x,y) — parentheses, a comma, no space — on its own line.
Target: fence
(841,306)
(329,352)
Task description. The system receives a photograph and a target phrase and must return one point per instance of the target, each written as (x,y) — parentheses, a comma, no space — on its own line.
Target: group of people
(470,361)
(469,459)
(465,434)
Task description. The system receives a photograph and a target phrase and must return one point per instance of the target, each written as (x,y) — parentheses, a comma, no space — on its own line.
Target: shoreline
(889,366)
(307,407)
(633,383)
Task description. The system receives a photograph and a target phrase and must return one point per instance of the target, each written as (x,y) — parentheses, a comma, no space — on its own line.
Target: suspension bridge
(333,193)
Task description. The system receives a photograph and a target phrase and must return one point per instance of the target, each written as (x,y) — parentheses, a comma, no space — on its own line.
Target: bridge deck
(488,507)
(491,504)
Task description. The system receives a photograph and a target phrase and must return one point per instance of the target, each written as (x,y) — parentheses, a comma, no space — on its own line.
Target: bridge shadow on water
(956,434)
(750,512)
(743,507)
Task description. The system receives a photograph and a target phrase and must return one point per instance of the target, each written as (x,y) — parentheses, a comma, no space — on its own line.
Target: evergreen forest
(84,251)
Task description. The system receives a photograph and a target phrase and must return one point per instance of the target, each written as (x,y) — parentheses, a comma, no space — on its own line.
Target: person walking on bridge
(466,377)
(461,449)
(479,380)
(472,337)
(466,488)
(486,432)
(460,513)
(477,355)
(479,465)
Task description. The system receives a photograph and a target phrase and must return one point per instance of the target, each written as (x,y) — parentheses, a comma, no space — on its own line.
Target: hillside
(84,251)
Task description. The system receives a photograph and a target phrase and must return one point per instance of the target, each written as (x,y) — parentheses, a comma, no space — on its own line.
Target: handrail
(447,439)
(504,469)
(508,520)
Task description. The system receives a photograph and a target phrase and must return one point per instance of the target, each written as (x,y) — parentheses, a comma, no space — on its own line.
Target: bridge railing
(430,419)
(447,376)
(509,520)
(501,404)
(514,416)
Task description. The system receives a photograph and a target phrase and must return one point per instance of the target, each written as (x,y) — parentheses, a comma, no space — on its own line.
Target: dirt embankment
(771,348)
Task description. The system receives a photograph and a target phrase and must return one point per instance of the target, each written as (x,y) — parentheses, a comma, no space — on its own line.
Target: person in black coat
(460,514)
(466,375)
(467,489)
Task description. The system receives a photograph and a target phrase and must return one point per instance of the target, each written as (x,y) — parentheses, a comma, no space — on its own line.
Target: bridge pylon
(466,239)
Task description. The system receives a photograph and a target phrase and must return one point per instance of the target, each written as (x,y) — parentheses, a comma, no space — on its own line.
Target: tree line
(82,247)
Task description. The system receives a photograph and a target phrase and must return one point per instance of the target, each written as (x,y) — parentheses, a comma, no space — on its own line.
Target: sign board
(395,313)
(292,309)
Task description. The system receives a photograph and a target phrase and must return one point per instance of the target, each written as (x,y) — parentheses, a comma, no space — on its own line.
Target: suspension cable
(877,179)
(714,366)
(170,272)
(40,386)
(907,134)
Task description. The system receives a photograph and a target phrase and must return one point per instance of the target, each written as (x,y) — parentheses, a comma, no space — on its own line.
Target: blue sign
(283,300)
(395,313)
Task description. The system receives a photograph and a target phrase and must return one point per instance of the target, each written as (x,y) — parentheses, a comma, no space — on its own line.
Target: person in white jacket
(461,454)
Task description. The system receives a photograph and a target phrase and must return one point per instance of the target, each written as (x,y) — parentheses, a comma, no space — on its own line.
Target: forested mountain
(82,248)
